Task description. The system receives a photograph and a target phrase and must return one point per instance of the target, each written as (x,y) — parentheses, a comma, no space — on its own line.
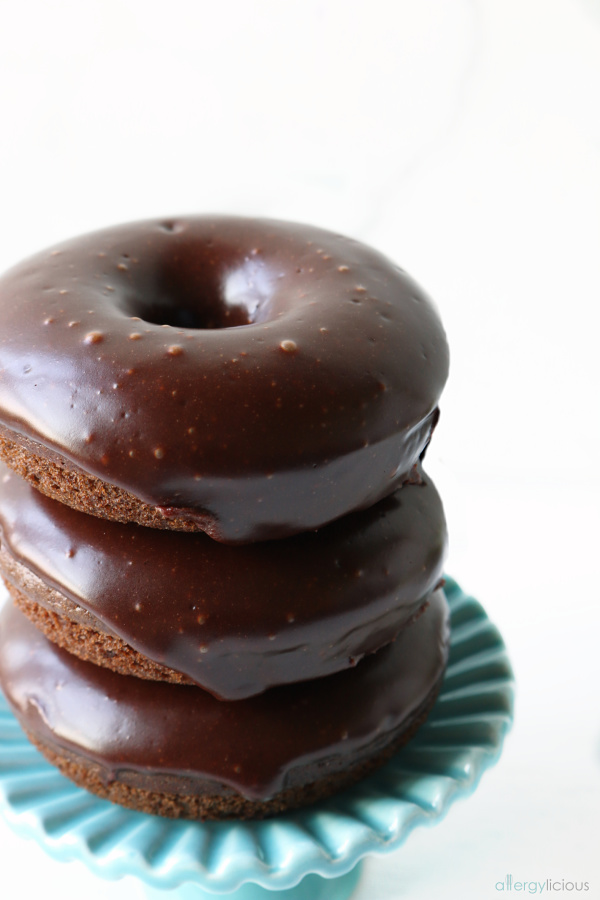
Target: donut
(234,620)
(252,379)
(175,750)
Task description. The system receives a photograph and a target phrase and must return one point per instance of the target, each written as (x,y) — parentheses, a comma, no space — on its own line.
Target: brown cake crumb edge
(50,474)
(108,651)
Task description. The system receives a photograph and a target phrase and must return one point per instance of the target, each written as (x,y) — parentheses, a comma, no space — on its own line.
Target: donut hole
(166,311)
(191,292)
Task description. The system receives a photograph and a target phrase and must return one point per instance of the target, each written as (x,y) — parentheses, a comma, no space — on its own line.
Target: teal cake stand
(311,854)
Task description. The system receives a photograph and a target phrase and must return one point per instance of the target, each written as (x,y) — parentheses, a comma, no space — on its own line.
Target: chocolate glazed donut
(248,378)
(234,620)
(174,750)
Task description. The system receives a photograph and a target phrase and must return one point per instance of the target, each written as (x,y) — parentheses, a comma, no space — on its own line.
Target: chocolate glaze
(259,746)
(236,620)
(264,377)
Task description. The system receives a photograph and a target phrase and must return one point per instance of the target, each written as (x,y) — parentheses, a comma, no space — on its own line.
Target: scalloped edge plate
(462,737)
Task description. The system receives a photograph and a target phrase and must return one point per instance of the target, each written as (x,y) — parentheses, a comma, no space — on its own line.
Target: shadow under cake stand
(310,854)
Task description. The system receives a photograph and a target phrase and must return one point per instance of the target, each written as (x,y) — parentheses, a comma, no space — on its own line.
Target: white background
(462,137)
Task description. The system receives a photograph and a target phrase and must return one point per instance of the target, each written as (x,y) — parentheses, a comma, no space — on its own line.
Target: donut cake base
(104,649)
(177,751)
(223,805)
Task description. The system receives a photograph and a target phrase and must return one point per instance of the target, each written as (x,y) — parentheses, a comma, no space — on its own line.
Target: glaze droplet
(93,337)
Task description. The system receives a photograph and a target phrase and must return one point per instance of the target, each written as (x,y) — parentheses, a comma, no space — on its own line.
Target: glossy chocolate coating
(264,376)
(237,620)
(256,746)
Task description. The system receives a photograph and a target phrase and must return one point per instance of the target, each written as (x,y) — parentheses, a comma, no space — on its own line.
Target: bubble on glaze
(289,346)
(159,452)
(93,337)
(175,350)
(135,336)
(171,226)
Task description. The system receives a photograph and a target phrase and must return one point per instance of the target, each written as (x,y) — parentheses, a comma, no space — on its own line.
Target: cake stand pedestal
(311,854)
(313,887)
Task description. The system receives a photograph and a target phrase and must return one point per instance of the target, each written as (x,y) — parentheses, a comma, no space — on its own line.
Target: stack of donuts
(224,554)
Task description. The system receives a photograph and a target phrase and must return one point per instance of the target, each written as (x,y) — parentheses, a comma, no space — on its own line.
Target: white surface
(462,138)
